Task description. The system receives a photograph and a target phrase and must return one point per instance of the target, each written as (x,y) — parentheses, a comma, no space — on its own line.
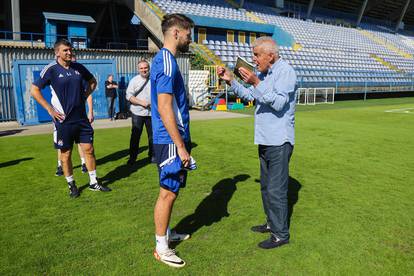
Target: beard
(183,48)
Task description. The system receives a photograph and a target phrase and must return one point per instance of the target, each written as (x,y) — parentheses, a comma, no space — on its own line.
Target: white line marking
(401,110)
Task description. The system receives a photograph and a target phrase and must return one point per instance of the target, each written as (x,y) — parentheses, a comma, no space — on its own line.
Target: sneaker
(96,187)
(264,228)
(272,242)
(73,190)
(84,169)
(169,258)
(176,237)
(59,171)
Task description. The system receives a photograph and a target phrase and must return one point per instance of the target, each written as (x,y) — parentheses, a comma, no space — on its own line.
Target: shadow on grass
(11,132)
(14,162)
(120,172)
(212,208)
(293,195)
(123,171)
(115,156)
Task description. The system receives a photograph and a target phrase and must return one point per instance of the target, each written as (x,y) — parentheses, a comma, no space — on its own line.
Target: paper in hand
(242,62)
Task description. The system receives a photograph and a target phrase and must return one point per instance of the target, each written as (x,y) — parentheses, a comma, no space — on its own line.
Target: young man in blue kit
(171,133)
(67,109)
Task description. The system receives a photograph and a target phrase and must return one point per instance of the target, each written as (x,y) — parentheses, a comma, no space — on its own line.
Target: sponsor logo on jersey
(61,76)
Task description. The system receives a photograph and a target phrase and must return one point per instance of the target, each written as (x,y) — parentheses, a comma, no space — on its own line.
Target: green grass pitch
(352,194)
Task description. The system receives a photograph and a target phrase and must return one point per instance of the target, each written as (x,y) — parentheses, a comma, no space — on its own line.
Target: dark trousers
(110,101)
(137,127)
(274,178)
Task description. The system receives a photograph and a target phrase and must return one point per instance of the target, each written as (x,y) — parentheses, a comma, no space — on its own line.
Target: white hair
(267,43)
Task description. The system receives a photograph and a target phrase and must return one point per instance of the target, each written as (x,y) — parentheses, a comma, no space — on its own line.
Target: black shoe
(131,161)
(73,190)
(264,228)
(272,242)
(84,169)
(59,171)
(96,187)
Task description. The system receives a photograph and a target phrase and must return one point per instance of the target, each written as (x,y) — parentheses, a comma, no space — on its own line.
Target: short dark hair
(62,42)
(176,19)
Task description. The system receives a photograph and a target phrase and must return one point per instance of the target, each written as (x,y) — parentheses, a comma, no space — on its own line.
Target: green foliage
(352,170)
(197,61)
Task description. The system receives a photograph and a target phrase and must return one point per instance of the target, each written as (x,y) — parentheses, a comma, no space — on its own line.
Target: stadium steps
(255,18)
(210,98)
(210,56)
(150,18)
(249,14)
(155,8)
(386,63)
(386,44)
(206,53)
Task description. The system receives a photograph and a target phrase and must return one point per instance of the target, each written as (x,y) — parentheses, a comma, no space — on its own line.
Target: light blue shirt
(274,117)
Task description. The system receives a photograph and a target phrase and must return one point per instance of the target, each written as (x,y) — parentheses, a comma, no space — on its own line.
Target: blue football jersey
(67,87)
(166,78)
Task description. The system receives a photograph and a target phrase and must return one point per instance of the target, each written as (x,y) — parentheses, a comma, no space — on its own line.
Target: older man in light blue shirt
(273,89)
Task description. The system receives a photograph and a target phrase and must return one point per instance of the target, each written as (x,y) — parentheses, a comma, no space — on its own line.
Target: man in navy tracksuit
(67,109)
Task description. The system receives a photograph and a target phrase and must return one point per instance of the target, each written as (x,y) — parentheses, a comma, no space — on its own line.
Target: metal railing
(78,42)
(7,103)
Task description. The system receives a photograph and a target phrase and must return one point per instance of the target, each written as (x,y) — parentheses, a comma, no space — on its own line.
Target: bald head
(267,44)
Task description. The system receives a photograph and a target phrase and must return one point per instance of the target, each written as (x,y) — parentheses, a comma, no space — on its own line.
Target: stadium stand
(323,55)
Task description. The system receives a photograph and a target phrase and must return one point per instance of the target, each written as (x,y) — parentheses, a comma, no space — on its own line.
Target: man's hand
(135,101)
(225,74)
(144,103)
(184,156)
(91,118)
(55,115)
(249,77)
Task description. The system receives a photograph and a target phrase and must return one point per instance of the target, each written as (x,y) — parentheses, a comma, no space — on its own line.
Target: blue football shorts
(66,133)
(171,174)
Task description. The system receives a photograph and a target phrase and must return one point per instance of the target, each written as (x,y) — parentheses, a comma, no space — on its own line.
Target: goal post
(313,96)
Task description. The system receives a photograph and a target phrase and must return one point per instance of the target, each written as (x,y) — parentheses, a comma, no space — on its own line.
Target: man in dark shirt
(110,93)
(67,109)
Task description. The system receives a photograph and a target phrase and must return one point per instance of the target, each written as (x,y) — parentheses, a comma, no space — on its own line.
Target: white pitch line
(401,110)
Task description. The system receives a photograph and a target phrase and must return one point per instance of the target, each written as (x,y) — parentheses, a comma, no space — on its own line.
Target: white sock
(69,178)
(92,177)
(59,163)
(161,243)
(82,160)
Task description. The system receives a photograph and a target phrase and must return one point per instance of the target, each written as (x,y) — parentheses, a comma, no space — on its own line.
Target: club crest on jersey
(68,74)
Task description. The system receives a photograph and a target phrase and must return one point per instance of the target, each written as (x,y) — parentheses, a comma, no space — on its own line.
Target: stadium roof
(387,10)
(68,17)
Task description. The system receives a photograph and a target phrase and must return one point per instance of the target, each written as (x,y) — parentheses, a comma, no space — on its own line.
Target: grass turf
(351,195)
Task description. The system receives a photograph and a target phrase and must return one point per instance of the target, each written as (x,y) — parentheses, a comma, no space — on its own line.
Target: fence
(78,42)
(125,60)
(7,103)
